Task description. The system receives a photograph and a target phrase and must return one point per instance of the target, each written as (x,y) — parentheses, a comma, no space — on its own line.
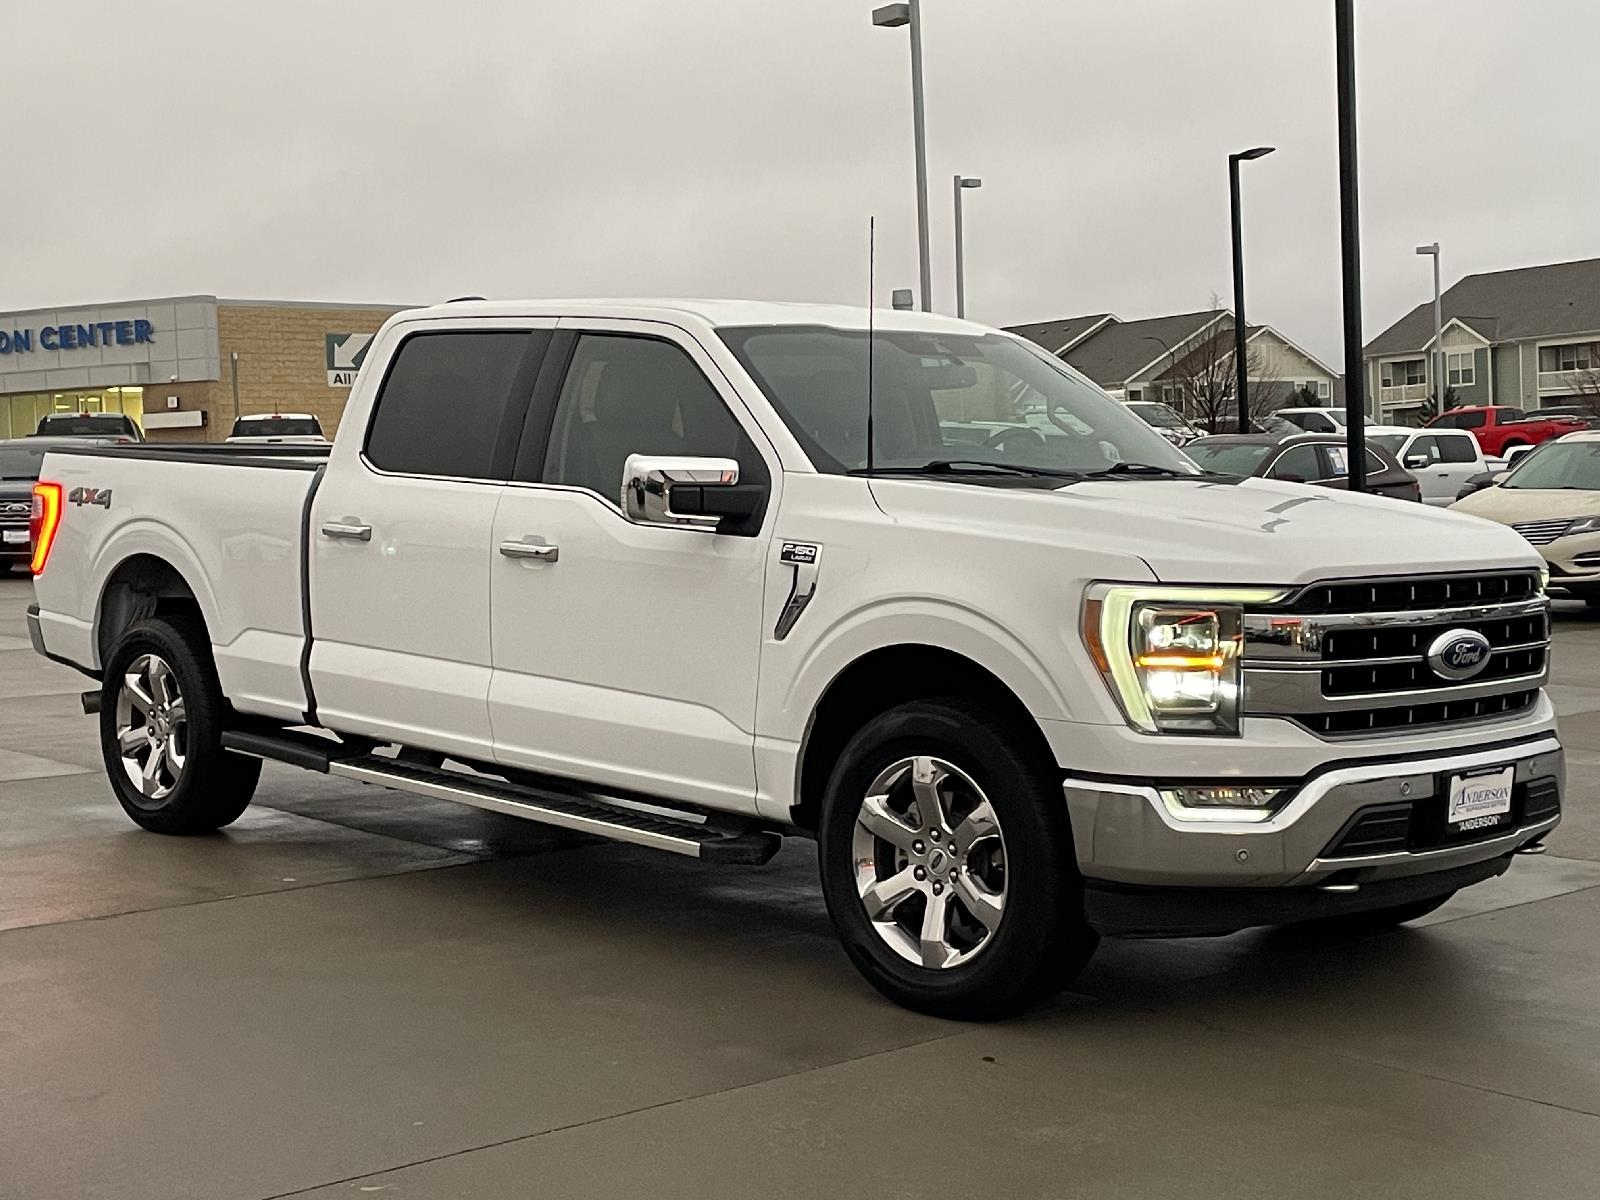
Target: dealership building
(183,367)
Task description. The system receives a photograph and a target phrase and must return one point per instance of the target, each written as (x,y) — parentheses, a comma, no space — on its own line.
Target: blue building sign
(77,337)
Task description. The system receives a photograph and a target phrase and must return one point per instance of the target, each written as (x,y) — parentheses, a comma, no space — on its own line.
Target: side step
(709,837)
(708,842)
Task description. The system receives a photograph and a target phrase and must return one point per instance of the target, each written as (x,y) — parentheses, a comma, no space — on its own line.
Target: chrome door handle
(347,529)
(534,550)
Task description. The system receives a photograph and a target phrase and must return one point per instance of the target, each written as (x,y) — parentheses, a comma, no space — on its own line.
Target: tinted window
(1427,447)
(1298,462)
(1469,420)
(1457,448)
(1506,414)
(276,427)
(18,460)
(444,401)
(1389,441)
(94,424)
(634,395)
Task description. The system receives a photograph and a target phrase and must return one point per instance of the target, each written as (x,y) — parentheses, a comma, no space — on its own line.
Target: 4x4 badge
(806,559)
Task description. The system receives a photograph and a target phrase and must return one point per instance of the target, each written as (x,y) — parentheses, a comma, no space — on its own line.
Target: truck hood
(1256,531)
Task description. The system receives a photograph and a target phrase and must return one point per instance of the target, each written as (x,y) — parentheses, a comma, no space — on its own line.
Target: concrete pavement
(352,992)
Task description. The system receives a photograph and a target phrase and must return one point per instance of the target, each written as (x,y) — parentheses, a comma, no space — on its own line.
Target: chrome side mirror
(1415,462)
(662,490)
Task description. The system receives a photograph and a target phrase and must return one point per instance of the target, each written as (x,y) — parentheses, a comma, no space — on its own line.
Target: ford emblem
(1458,654)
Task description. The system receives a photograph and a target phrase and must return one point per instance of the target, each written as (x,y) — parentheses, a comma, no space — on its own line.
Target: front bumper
(1573,560)
(1125,834)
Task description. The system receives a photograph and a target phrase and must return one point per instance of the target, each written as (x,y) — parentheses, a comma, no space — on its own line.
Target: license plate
(1476,801)
(16,537)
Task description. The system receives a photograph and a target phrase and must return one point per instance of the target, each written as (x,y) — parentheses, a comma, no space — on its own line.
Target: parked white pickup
(698,575)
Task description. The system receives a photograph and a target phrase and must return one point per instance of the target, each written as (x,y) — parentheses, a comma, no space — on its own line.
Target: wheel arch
(141,585)
(883,678)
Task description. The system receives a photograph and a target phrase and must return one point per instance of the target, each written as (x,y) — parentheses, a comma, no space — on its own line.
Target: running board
(708,842)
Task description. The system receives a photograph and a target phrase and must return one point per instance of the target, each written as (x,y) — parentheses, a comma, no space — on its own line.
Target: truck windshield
(937,398)
(20,462)
(1156,414)
(1559,465)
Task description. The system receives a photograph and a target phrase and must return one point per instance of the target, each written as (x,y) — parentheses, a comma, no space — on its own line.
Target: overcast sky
(408,151)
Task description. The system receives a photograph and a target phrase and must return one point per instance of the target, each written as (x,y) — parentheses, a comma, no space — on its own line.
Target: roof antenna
(872,258)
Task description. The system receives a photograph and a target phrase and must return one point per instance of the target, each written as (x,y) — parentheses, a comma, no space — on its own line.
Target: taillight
(44,522)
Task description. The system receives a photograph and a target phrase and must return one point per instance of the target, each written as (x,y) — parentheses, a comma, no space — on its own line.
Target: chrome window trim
(1326,664)
(1308,796)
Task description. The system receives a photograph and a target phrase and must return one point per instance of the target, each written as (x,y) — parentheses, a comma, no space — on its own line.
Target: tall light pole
(892,16)
(1438,326)
(961,271)
(1355,367)
(1241,368)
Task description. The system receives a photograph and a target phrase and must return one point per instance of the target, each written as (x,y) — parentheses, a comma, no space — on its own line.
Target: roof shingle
(1053,335)
(1118,352)
(1507,306)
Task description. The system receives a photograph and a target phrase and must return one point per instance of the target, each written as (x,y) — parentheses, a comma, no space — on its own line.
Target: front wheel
(161,722)
(948,866)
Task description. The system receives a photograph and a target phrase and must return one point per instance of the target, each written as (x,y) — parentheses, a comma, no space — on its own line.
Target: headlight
(1583,525)
(1170,655)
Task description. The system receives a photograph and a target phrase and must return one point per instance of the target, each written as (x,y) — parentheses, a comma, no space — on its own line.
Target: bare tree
(1201,377)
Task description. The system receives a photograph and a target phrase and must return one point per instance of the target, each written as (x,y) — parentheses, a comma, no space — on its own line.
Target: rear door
(626,655)
(400,536)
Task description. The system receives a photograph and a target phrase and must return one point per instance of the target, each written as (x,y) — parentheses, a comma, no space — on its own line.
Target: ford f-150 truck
(1501,429)
(697,576)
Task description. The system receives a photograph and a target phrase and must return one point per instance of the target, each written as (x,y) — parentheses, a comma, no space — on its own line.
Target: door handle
(349,530)
(534,550)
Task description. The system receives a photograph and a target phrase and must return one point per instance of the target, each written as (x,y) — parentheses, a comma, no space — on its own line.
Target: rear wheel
(947,864)
(161,722)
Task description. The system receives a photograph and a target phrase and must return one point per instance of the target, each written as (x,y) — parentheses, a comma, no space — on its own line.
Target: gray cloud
(408,151)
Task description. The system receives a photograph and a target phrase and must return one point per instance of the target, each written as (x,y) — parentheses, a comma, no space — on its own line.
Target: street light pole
(1241,367)
(1355,367)
(892,16)
(1439,379)
(961,272)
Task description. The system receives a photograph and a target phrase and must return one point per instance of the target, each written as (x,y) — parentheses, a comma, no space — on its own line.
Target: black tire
(1041,941)
(213,786)
(1378,920)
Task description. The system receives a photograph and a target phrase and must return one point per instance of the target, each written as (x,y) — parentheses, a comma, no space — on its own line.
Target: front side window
(1559,465)
(940,397)
(443,402)
(627,395)
(1426,447)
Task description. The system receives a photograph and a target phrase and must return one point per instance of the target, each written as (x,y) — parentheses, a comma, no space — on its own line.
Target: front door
(1438,478)
(626,655)
(400,537)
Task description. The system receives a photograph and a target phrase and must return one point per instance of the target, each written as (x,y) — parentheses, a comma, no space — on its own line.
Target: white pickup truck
(699,575)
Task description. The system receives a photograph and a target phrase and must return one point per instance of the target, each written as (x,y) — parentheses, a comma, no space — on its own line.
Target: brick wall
(282,367)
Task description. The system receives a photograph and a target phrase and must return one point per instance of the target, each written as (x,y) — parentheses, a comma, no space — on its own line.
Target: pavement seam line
(616,1116)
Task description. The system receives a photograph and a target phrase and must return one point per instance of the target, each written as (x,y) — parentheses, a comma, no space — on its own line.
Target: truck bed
(230,519)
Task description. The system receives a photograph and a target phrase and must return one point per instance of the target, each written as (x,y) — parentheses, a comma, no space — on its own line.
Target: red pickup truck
(1499,427)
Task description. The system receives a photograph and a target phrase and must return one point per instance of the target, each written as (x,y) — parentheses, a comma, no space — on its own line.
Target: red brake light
(44,522)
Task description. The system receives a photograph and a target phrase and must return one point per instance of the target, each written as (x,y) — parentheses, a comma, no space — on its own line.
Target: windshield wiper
(970,466)
(1146,469)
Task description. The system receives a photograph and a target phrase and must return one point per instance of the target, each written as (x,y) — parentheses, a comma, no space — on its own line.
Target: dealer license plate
(1478,801)
(15,537)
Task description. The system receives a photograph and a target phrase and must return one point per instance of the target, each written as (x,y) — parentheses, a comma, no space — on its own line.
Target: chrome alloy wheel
(930,862)
(152,728)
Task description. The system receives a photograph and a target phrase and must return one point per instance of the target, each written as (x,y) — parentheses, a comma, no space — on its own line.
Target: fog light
(1234,802)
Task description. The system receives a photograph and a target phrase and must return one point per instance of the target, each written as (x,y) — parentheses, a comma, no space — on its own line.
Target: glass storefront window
(20,414)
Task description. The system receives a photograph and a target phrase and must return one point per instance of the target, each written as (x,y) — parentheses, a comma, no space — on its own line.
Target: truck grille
(1542,533)
(1352,659)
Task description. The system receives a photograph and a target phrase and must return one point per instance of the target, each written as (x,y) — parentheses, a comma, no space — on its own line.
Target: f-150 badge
(806,559)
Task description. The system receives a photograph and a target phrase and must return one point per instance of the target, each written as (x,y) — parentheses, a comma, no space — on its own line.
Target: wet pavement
(353,992)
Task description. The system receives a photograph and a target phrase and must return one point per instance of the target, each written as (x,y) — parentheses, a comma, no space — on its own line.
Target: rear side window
(1508,414)
(1472,420)
(447,398)
(1457,448)
(1298,462)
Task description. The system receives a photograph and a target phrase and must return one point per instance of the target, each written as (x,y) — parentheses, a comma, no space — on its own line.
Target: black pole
(1355,368)
(1240,367)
